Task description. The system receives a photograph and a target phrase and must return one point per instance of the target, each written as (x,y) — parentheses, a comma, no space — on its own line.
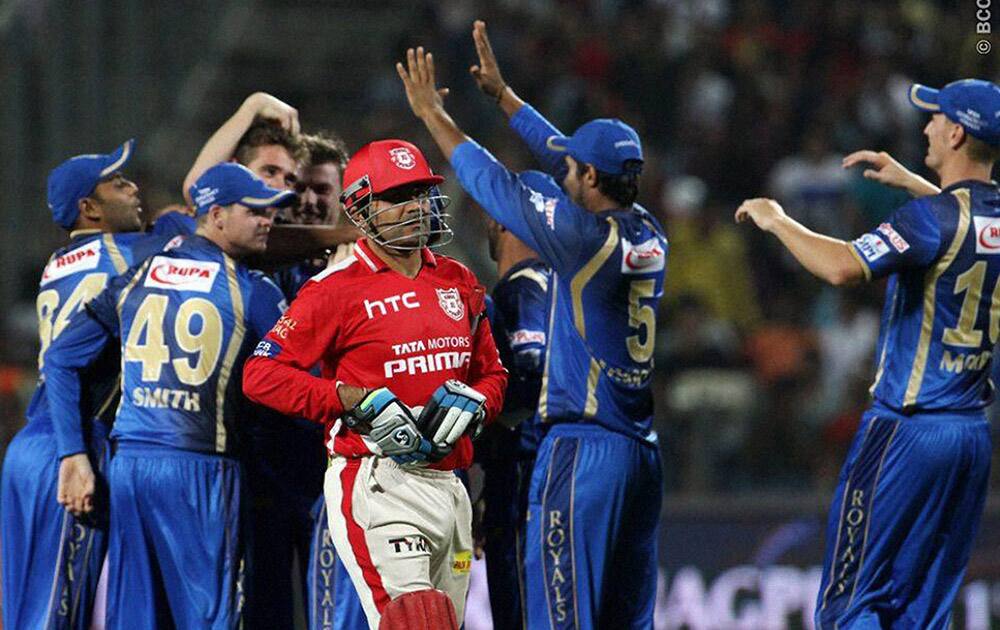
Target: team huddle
(276,388)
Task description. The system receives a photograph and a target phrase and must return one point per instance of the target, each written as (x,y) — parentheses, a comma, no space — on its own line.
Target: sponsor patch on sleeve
(987,235)
(871,247)
(267,348)
(546,206)
(897,241)
(644,257)
(522,337)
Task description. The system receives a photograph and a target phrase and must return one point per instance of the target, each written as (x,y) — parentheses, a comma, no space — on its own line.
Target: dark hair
(981,152)
(325,148)
(622,189)
(264,133)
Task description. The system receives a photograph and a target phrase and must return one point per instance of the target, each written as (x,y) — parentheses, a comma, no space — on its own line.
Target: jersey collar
(75,234)
(965,183)
(518,266)
(376,264)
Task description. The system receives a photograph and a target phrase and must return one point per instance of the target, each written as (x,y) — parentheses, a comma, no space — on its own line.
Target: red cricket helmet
(381,166)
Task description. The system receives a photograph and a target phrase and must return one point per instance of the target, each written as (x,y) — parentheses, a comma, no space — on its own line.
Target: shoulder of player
(450,269)
(347,270)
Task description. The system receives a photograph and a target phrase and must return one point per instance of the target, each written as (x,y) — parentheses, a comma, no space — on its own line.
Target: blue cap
(228,183)
(604,142)
(972,103)
(77,177)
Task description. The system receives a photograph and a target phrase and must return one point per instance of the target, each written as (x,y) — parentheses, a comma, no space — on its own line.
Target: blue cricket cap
(604,142)
(972,103)
(77,177)
(228,183)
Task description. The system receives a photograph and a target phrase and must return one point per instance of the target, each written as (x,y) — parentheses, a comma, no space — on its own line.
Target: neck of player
(511,251)
(963,169)
(403,261)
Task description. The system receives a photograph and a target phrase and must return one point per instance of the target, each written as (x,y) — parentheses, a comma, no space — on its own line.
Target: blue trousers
(174,555)
(505,491)
(903,520)
(284,466)
(593,511)
(333,601)
(51,560)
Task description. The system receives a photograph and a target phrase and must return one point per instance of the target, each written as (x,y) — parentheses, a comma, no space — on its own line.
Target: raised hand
(890,172)
(487,72)
(270,108)
(763,212)
(419,81)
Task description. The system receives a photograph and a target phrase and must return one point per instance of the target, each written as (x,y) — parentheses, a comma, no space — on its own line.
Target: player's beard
(393,235)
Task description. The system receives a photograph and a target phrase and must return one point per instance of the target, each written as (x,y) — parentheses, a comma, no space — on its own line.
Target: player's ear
(89,208)
(956,136)
(590,175)
(216,215)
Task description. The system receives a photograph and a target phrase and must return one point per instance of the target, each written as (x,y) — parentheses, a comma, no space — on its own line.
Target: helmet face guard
(427,212)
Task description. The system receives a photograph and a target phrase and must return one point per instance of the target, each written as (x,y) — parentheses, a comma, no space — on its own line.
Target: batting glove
(453,410)
(388,422)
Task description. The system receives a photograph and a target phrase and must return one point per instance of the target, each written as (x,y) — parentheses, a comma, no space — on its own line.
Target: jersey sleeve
(80,344)
(910,238)
(523,305)
(531,206)
(266,305)
(173,224)
(536,130)
(487,374)
(277,375)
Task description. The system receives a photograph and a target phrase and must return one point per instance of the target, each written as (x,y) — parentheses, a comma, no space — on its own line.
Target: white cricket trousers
(399,529)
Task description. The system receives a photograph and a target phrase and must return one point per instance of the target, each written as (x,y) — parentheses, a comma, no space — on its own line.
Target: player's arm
(886,170)
(79,345)
(291,243)
(486,374)
(277,375)
(829,259)
(526,317)
(556,237)
(533,128)
(222,144)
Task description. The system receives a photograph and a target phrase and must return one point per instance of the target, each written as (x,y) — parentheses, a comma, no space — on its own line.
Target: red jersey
(368,325)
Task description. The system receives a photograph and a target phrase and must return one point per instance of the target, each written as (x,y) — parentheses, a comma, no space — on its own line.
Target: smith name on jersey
(186,318)
(941,318)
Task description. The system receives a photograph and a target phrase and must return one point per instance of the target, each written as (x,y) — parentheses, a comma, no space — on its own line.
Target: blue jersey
(518,317)
(187,318)
(941,318)
(608,270)
(74,275)
(290,279)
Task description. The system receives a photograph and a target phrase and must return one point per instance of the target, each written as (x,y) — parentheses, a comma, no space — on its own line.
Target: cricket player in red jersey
(404,346)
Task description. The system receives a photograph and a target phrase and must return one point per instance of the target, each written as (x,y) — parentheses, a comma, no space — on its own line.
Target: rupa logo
(642,258)
(83,258)
(402,158)
(987,235)
(179,274)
